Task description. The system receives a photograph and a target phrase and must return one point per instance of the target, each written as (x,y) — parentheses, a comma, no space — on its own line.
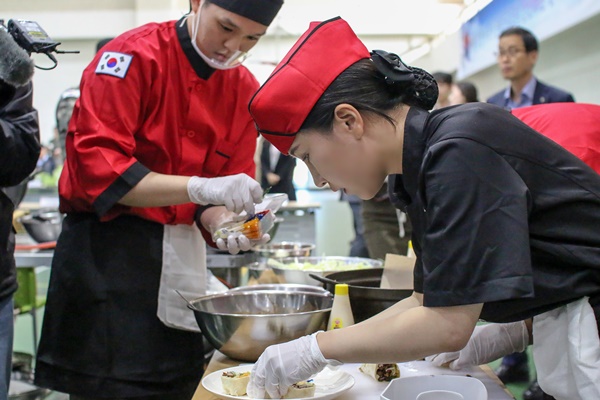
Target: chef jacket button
(191,134)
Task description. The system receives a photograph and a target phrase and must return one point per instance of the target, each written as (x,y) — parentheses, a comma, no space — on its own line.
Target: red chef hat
(283,102)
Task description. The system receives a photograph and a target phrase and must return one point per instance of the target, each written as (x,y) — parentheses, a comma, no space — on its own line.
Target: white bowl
(411,387)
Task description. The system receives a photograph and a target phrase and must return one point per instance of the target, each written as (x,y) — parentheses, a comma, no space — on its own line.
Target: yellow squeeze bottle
(341,311)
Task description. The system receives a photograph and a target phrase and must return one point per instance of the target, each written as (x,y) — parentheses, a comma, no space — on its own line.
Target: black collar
(200,66)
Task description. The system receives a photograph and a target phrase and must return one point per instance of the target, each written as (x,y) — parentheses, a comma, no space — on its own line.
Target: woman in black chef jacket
(159,141)
(505,221)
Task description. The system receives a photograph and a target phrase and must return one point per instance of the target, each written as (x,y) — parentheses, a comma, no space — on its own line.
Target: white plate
(329,383)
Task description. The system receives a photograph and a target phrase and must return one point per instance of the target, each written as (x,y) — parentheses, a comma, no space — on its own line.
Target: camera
(32,38)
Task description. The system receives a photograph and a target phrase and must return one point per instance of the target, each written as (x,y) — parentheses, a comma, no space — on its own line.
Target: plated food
(327,384)
(301,390)
(381,372)
(235,383)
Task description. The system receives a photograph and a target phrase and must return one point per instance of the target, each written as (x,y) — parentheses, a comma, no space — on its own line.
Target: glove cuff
(523,334)
(194,189)
(315,351)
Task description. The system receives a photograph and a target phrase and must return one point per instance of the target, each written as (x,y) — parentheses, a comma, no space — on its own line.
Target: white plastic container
(341,311)
(416,387)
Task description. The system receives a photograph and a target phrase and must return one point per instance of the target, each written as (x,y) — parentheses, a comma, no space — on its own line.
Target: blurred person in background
(62,115)
(444,81)
(463,92)
(277,171)
(386,229)
(159,153)
(65,105)
(517,55)
(19,153)
(358,245)
(504,219)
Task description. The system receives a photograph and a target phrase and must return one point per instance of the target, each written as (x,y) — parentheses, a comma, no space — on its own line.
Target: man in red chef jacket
(159,151)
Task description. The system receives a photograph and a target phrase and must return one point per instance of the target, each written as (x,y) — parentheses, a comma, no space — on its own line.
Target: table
(366,388)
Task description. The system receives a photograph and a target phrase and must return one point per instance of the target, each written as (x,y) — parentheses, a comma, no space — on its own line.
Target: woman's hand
(282,365)
(488,343)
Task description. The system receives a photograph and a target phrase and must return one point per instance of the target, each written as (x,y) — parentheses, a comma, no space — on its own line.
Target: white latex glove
(282,365)
(487,343)
(236,192)
(237,241)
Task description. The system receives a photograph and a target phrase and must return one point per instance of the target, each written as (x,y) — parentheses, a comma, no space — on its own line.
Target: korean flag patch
(115,64)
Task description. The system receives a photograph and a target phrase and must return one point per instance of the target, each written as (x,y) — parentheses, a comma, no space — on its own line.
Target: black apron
(101,336)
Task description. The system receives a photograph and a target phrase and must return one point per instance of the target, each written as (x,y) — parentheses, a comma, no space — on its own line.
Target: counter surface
(366,388)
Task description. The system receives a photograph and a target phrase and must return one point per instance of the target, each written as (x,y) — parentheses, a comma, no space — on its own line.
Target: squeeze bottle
(341,311)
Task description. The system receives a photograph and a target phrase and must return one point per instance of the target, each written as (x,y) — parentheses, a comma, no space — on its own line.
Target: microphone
(16,68)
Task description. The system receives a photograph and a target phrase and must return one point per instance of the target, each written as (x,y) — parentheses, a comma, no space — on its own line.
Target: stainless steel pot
(366,297)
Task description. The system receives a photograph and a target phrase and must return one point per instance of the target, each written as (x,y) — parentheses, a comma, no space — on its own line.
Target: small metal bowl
(284,249)
(43,225)
(242,324)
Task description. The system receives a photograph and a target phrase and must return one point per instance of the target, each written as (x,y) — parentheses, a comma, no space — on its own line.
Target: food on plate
(300,390)
(235,383)
(381,372)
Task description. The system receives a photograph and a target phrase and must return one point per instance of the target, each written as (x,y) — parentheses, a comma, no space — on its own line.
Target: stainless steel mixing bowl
(242,324)
(287,287)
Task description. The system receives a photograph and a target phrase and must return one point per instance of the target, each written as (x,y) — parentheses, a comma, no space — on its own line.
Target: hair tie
(414,85)
(392,68)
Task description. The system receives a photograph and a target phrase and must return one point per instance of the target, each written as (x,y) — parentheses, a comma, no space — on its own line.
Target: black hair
(368,89)
(530,42)
(442,77)
(102,42)
(468,90)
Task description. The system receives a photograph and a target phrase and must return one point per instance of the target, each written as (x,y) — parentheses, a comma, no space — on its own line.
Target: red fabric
(575,126)
(162,115)
(284,101)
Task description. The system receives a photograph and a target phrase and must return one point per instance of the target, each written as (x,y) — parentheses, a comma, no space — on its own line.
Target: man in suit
(517,55)
(277,171)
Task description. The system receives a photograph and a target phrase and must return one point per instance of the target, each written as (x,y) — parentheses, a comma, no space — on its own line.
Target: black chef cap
(261,11)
